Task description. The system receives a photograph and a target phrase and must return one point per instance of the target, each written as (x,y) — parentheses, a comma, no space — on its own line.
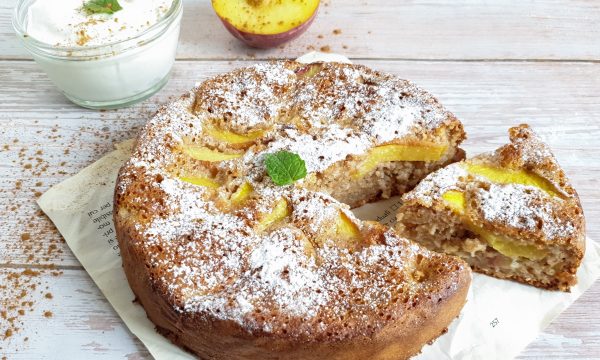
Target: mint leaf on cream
(102,6)
(285,167)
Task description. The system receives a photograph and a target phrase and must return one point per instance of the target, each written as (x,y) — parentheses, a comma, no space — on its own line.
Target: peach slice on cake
(309,70)
(280,211)
(346,228)
(398,152)
(504,245)
(266,23)
(242,193)
(211,155)
(502,175)
(200,181)
(232,138)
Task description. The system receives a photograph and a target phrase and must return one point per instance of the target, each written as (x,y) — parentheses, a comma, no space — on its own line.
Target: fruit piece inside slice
(265,17)
(510,176)
(206,154)
(242,193)
(200,181)
(279,212)
(455,200)
(346,229)
(231,137)
(399,152)
(512,249)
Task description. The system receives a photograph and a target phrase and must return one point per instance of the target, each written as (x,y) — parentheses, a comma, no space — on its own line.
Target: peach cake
(229,265)
(511,213)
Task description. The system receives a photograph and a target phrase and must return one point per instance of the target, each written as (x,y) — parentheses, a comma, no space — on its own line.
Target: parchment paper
(498,321)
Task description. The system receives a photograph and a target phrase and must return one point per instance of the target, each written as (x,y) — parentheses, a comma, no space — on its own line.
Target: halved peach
(266,23)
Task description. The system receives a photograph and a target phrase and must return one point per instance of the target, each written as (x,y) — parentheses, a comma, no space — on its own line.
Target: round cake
(232,262)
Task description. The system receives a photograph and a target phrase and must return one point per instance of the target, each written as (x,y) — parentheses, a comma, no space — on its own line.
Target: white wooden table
(493,63)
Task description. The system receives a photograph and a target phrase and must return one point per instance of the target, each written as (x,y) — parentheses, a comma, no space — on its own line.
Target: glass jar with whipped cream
(102,54)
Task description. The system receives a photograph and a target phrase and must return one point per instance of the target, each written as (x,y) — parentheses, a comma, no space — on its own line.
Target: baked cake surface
(231,266)
(511,213)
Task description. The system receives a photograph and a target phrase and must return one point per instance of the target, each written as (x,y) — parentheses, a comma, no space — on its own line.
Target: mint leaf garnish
(285,167)
(102,6)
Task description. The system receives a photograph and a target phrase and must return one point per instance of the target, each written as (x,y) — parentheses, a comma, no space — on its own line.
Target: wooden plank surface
(386,29)
(76,323)
(461,51)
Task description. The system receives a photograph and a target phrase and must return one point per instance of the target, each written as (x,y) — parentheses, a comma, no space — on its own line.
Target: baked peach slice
(232,138)
(200,181)
(342,230)
(346,229)
(455,200)
(280,211)
(242,193)
(398,152)
(205,154)
(502,175)
(309,70)
(266,23)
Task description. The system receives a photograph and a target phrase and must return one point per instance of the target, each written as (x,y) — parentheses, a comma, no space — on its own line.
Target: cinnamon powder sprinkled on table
(31,246)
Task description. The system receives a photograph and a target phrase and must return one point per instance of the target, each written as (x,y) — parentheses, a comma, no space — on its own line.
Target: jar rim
(73,52)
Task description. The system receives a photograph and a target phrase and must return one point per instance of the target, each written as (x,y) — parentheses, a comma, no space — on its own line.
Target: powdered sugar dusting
(389,108)
(531,149)
(249,98)
(319,153)
(517,206)
(436,184)
(215,261)
(523,207)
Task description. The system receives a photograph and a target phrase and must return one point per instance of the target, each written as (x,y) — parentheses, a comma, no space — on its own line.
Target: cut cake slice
(511,213)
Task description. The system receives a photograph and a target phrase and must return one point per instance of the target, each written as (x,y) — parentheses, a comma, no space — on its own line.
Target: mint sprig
(102,6)
(285,167)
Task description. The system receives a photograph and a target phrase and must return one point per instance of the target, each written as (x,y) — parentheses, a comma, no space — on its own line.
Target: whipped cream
(66,23)
(102,61)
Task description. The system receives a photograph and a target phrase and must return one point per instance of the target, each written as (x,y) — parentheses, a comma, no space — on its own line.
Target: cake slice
(511,214)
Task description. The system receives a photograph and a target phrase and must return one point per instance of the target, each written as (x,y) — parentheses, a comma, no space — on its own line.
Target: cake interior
(387,179)
(552,267)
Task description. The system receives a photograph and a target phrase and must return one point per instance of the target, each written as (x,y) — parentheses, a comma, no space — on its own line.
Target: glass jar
(111,75)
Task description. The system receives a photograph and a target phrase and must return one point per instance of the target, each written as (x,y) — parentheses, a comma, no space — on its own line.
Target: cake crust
(212,338)
(276,276)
